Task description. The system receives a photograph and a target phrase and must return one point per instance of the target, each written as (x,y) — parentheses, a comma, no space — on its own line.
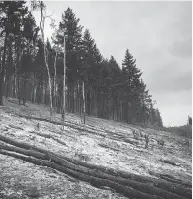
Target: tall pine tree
(131,78)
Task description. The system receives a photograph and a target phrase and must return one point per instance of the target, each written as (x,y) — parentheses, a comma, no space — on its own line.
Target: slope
(112,145)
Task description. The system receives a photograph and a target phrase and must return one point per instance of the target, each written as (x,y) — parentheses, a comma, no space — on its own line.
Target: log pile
(130,185)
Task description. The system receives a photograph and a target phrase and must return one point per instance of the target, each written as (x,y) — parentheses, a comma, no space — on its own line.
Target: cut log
(16,127)
(169,162)
(142,187)
(21,144)
(171,179)
(71,125)
(145,188)
(99,183)
(75,126)
(179,189)
(108,147)
(48,136)
(121,177)
(30,152)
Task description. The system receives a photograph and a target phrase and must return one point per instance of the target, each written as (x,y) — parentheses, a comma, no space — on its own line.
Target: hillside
(163,170)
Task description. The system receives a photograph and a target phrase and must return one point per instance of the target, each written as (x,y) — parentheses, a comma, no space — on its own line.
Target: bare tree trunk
(14,83)
(2,73)
(7,85)
(83,95)
(64,83)
(33,90)
(55,79)
(24,95)
(49,78)
(18,82)
(1,88)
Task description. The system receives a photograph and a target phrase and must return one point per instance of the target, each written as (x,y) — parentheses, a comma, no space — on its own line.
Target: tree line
(32,69)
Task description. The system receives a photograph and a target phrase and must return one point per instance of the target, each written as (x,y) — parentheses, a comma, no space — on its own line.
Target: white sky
(159,36)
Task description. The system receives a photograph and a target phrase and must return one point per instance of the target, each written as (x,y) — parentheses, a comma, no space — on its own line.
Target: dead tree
(35,5)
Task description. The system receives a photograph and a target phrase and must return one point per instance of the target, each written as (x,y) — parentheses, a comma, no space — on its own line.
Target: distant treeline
(185,130)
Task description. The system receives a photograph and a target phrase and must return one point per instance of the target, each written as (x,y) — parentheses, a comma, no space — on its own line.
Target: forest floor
(100,142)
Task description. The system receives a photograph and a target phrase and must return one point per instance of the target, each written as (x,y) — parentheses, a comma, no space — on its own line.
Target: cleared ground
(101,142)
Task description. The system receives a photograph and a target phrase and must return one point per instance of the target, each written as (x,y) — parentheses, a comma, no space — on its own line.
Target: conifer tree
(69,26)
(11,21)
(131,78)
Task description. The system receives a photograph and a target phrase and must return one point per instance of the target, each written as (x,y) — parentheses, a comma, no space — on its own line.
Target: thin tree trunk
(24,95)
(7,85)
(14,83)
(19,90)
(83,95)
(3,71)
(55,79)
(33,89)
(64,83)
(45,60)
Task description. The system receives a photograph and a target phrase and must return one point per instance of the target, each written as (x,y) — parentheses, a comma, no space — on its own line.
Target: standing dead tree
(42,7)
(42,22)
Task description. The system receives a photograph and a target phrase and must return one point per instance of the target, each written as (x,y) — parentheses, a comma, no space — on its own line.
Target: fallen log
(48,136)
(99,183)
(30,152)
(109,147)
(104,172)
(173,188)
(169,162)
(75,126)
(21,144)
(170,179)
(16,127)
(179,189)
(144,188)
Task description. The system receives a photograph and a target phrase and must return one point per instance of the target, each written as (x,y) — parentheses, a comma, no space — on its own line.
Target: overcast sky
(159,36)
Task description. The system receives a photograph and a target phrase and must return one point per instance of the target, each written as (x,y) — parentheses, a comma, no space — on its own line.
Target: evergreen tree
(145,101)
(158,118)
(30,34)
(69,26)
(190,120)
(113,93)
(11,21)
(9,66)
(87,53)
(131,77)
